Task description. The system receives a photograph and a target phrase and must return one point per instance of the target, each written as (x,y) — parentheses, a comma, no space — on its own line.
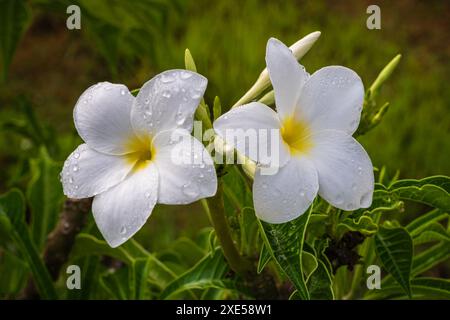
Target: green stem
(215,209)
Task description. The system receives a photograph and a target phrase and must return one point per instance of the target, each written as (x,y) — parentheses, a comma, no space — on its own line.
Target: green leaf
(285,243)
(44,195)
(208,273)
(395,249)
(433,232)
(116,283)
(129,252)
(138,275)
(217,108)
(14,274)
(12,220)
(14,17)
(363,224)
(422,222)
(422,288)
(309,264)
(431,257)
(264,258)
(320,283)
(189,61)
(432,191)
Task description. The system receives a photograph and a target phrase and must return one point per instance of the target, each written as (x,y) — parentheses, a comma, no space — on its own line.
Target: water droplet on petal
(185,75)
(76,155)
(166,94)
(123,230)
(75,168)
(339,199)
(167,78)
(365,200)
(122,92)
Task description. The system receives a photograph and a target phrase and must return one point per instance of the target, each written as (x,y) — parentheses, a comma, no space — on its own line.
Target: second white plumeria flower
(131,157)
(315,119)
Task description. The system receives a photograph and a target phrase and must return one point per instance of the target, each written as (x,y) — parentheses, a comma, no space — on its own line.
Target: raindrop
(166,94)
(122,92)
(190,190)
(70,180)
(76,155)
(147,194)
(166,78)
(365,200)
(123,230)
(75,168)
(302,194)
(147,101)
(339,199)
(185,75)
(195,95)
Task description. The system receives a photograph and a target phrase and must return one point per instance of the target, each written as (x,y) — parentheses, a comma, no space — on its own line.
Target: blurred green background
(131,41)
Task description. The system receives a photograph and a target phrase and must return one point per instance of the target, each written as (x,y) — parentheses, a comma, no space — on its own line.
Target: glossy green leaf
(320,283)
(208,273)
(14,17)
(264,258)
(395,250)
(285,243)
(363,224)
(432,191)
(12,220)
(44,195)
(137,277)
(422,288)
(433,233)
(422,222)
(129,252)
(430,258)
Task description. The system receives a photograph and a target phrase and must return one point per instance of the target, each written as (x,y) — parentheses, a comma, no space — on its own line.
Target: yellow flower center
(296,135)
(143,152)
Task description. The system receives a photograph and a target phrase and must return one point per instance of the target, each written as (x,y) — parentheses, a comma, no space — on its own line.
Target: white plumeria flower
(315,119)
(127,161)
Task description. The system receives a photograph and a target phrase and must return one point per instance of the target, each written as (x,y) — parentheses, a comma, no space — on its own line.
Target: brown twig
(60,240)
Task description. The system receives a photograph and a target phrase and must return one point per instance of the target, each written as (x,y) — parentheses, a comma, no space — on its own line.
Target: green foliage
(12,222)
(285,244)
(14,17)
(406,229)
(395,249)
(44,194)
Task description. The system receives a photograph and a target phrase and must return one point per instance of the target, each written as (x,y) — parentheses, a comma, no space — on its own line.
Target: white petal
(332,98)
(122,210)
(345,170)
(102,117)
(286,195)
(87,172)
(254,130)
(186,170)
(287,76)
(168,101)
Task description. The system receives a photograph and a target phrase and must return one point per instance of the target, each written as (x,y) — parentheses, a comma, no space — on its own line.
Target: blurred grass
(53,66)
